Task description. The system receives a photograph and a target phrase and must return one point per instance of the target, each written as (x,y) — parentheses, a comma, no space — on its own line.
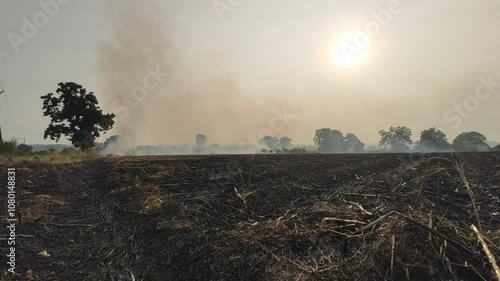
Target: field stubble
(263,217)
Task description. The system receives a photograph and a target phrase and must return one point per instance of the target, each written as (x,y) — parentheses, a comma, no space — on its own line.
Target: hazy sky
(233,64)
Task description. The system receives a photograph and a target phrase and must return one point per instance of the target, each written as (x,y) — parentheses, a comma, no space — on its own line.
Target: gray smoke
(225,78)
(180,101)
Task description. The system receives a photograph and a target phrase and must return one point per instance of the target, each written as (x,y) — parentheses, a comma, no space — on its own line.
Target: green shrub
(24,148)
(8,147)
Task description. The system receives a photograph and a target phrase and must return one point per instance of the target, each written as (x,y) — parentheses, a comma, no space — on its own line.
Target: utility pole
(1,139)
(1,110)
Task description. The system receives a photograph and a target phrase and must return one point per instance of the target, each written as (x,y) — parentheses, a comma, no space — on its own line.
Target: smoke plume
(226,79)
(181,101)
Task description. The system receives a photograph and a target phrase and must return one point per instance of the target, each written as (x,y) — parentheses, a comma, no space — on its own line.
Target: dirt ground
(258,217)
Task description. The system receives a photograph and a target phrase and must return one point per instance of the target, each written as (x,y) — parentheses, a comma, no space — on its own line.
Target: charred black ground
(260,217)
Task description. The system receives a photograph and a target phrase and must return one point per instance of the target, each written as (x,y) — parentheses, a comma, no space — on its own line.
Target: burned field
(263,217)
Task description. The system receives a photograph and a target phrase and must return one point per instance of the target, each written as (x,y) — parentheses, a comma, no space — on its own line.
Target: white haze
(226,77)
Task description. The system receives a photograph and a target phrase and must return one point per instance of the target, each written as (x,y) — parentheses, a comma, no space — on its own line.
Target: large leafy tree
(270,142)
(285,142)
(329,141)
(432,140)
(397,139)
(353,144)
(470,141)
(75,113)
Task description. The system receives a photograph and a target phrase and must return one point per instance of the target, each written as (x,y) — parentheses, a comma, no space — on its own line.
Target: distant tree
(214,148)
(470,141)
(329,141)
(397,139)
(24,148)
(75,113)
(496,148)
(111,140)
(270,142)
(116,144)
(201,140)
(285,142)
(432,140)
(353,144)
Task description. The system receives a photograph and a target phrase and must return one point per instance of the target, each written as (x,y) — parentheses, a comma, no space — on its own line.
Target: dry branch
(325,220)
(491,258)
(375,222)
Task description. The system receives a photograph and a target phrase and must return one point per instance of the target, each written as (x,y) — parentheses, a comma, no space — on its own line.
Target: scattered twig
(488,252)
(241,177)
(18,236)
(375,222)
(469,191)
(425,227)
(68,225)
(240,196)
(360,207)
(325,220)
(392,255)
(250,176)
(364,195)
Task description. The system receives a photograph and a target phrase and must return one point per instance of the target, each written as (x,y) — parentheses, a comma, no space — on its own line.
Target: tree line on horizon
(398,139)
(75,114)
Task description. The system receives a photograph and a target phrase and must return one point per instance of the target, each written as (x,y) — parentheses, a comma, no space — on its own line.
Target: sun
(351,49)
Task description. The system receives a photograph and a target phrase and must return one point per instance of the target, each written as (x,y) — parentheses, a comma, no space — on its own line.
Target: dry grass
(174,225)
(152,203)
(494,237)
(248,232)
(56,158)
(37,207)
(486,249)
(136,187)
(354,209)
(279,227)
(30,275)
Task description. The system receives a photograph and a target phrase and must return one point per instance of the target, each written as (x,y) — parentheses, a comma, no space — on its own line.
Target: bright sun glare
(351,49)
